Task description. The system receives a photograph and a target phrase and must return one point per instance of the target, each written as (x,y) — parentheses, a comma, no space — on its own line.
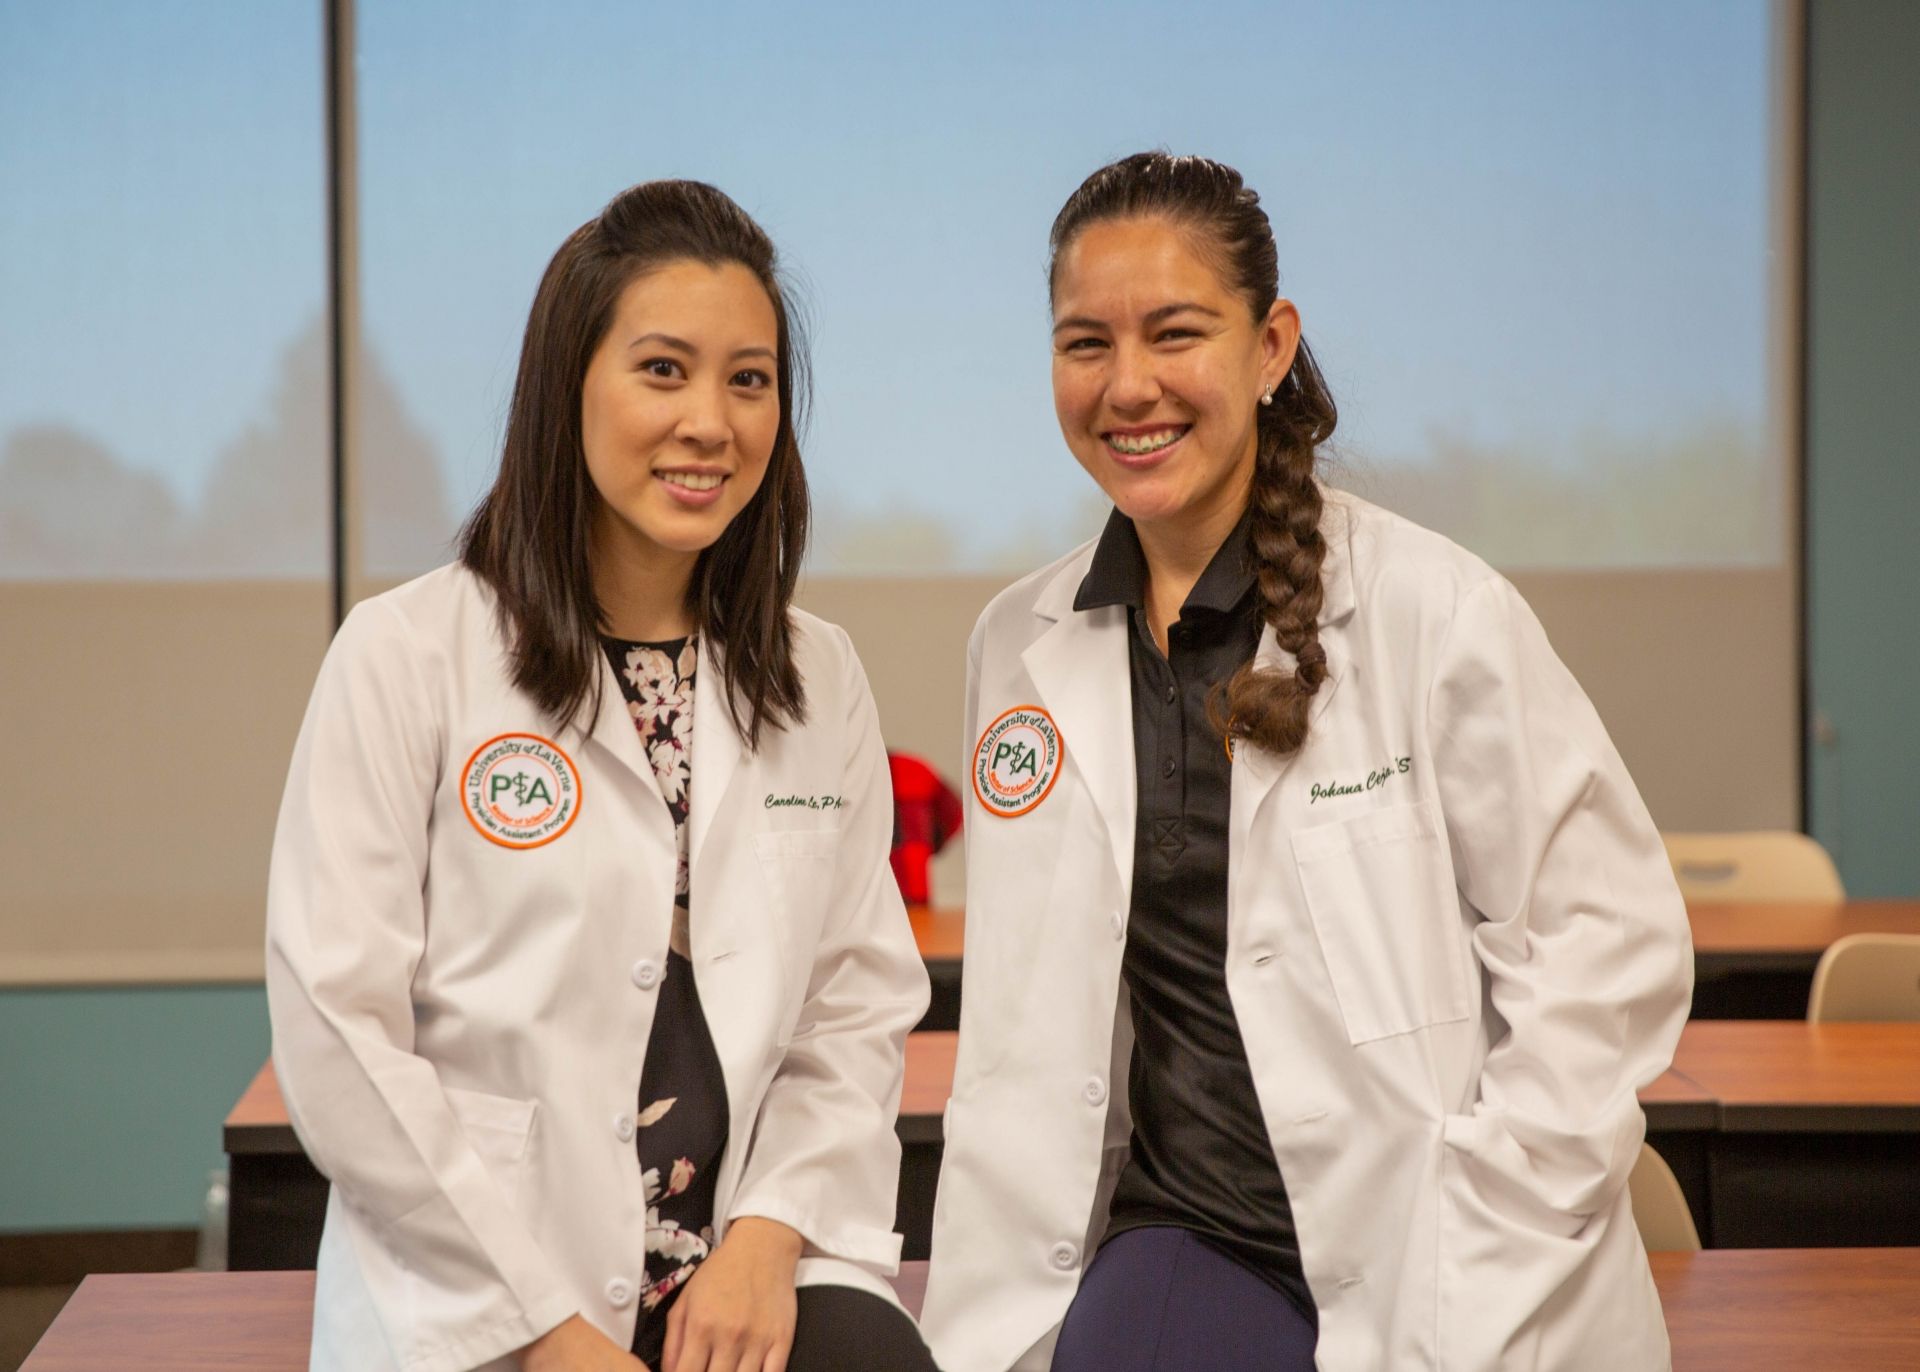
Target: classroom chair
(1660,1207)
(1867,977)
(1760,864)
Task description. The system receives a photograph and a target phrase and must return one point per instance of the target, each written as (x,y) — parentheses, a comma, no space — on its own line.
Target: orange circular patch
(1017,761)
(520,790)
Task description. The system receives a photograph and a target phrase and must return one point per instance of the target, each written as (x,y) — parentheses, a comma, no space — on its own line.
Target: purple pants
(1163,1300)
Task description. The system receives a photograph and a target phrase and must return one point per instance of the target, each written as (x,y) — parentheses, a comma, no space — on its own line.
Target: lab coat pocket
(1379,888)
(498,1127)
(797,867)
(797,843)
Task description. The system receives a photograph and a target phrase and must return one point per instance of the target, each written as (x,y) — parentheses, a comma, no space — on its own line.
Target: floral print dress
(682,1121)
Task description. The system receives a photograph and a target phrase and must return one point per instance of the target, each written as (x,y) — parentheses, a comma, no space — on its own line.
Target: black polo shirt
(1200,1158)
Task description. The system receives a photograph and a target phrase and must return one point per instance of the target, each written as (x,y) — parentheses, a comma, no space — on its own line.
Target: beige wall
(1696,675)
(149,728)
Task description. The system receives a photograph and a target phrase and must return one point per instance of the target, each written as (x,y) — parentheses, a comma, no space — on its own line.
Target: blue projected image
(163,402)
(1530,245)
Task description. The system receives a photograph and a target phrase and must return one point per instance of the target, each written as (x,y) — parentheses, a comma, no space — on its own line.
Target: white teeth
(1144,443)
(692,481)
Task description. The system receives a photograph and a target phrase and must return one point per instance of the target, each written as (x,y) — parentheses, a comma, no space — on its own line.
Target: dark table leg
(276,1205)
(1795,1190)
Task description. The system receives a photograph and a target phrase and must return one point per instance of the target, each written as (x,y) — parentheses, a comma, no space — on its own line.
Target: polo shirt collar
(1118,574)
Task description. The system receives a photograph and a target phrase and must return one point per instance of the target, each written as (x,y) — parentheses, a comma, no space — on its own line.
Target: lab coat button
(1119,925)
(623,1128)
(645,973)
(1066,1256)
(620,1293)
(1096,1091)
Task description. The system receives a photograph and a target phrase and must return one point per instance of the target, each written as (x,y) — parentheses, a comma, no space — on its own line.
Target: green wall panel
(1863,438)
(111,1101)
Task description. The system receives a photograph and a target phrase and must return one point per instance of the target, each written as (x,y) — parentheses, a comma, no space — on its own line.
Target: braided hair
(1209,201)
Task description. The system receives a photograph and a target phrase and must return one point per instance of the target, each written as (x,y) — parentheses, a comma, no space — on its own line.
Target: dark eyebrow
(665,340)
(1179,307)
(1080,321)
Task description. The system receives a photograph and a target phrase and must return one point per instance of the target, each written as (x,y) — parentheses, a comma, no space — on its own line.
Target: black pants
(1163,1300)
(840,1329)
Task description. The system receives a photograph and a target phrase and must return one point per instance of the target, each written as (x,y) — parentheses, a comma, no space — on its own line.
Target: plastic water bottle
(212,1253)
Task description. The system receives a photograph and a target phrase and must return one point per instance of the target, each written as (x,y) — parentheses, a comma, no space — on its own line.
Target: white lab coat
(1450,981)
(459,1026)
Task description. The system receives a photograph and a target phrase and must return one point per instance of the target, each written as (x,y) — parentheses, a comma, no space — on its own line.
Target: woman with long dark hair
(588,977)
(1317,940)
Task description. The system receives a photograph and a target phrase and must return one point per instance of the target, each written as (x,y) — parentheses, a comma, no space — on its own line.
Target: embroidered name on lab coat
(1377,778)
(776,802)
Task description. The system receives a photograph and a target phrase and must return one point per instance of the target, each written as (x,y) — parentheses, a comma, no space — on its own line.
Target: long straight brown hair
(1210,201)
(528,539)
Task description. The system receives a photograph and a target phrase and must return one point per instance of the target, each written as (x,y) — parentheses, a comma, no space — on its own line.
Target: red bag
(926,813)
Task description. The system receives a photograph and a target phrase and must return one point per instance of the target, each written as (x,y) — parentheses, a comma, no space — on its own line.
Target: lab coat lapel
(1079,666)
(717,752)
(1255,770)
(613,727)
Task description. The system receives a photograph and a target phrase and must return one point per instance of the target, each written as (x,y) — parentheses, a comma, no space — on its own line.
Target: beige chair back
(1762,864)
(1660,1206)
(1868,977)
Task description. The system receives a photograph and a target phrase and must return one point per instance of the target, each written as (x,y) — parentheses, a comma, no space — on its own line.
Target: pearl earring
(1267,399)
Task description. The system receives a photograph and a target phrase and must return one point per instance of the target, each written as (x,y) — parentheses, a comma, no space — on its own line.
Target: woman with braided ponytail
(1317,939)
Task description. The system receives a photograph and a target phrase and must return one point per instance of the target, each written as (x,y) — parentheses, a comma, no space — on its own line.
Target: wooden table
(1727,1311)
(181,1322)
(1752,959)
(1781,1133)
(1788,1310)
(1743,935)
(1759,935)
(1681,1117)
(940,935)
(923,1096)
(1818,1141)
(277,1201)
(258,1122)
(1774,1076)
(193,1322)
(1755,959)
(923,1106)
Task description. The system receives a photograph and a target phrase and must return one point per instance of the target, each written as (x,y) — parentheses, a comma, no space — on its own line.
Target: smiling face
(1158,369)
(679,412)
